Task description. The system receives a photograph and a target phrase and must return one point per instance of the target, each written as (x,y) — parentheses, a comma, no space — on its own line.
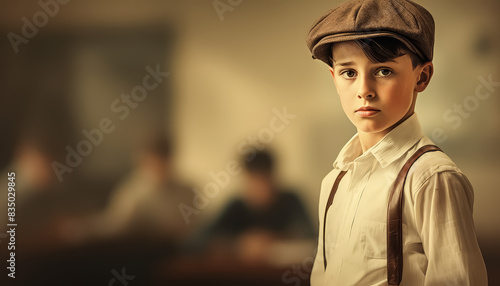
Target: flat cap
(403,20)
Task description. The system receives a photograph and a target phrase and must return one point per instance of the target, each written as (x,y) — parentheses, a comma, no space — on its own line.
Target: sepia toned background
(231,73)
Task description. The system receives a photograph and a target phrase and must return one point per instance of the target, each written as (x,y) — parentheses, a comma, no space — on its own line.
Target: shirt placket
(355,189)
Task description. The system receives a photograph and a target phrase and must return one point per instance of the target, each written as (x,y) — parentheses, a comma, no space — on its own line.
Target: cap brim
(322,50)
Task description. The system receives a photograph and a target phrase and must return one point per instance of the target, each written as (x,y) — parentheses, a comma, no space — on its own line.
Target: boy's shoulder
(430,165)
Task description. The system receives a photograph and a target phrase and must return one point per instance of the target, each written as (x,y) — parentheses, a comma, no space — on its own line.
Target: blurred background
(151,140)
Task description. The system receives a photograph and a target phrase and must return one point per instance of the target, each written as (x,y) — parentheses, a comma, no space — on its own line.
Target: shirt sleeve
(443,207)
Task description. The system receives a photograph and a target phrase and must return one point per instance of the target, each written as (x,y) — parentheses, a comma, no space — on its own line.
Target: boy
(395,210)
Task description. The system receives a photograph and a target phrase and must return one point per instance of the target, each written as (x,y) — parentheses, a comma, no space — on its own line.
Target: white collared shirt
(439,241)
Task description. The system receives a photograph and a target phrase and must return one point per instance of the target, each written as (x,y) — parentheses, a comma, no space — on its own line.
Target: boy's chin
(373,128)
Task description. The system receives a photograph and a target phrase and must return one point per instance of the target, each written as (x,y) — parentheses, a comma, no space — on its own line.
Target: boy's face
(375,96)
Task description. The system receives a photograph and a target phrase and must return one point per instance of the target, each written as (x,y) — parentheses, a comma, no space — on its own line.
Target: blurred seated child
(265,215)
(39,196)
(145,204)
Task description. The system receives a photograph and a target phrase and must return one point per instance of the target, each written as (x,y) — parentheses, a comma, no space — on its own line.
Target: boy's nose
(366,95)
(365,90)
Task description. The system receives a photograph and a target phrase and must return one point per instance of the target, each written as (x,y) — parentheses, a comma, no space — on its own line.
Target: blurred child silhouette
(264,215)
(146,203)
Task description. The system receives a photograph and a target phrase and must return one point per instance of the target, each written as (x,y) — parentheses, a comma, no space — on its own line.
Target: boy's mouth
(367,111)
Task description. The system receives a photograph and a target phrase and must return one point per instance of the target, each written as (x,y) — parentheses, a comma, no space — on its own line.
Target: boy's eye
(383,72)
(348,74)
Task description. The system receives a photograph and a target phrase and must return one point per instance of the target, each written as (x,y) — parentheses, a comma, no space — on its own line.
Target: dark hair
(159,145)
(383,49)
(259,162)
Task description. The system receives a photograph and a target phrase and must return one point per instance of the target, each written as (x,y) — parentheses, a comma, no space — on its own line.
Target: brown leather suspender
(328,204)
(394,218)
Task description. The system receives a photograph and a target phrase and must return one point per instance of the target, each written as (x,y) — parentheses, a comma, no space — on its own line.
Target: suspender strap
(328,204)
(395,221)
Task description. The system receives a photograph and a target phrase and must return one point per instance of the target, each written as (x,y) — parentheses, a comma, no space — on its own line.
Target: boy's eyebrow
(343,64)
(353,63)
(389,60)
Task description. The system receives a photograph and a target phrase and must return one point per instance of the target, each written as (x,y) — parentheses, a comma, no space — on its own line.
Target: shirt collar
(391,147)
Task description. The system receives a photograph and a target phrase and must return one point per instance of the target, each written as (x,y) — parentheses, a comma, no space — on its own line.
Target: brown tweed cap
(360,19)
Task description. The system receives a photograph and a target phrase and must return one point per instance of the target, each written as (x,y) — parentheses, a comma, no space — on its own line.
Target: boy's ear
(331,71)
(426,72)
